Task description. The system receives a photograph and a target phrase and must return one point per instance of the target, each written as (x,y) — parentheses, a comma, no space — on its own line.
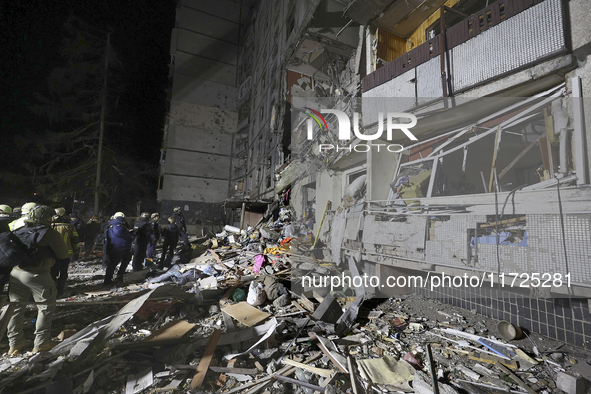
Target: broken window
(523,145)
(411,183)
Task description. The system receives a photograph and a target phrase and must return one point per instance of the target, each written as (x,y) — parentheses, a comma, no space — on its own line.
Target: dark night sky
(31,32)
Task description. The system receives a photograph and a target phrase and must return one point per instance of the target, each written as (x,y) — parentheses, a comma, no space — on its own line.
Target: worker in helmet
(116,248)
(59,272)
(92,229)
(180,222)
(20,222)
(154,222)
(143,233)
(170,233)
(5,217)
(35,280)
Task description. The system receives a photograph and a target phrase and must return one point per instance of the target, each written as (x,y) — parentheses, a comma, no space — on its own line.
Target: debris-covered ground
(224,319)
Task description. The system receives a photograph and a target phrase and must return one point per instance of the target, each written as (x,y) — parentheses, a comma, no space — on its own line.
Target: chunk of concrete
(570,384)
(328,311)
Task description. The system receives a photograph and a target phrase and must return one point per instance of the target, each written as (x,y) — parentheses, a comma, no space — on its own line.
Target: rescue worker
(180,221)
(5,218)
(171,234)
(20,222)
(77,222)
(155,217)
(61,224)
(35,280)
(116,248)
(143,233)
(91,230)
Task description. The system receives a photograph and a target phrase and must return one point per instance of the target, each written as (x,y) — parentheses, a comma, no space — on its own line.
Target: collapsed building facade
(495,184)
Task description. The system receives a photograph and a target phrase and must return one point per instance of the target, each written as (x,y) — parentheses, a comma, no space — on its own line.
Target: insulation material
(450,246)
(429,80)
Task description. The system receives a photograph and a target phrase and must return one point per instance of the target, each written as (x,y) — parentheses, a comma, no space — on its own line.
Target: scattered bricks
(570,384)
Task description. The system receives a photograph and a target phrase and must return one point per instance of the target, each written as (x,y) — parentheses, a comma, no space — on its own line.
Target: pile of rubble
(226,318)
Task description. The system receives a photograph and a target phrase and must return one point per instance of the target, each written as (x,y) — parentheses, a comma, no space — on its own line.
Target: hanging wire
(570,300)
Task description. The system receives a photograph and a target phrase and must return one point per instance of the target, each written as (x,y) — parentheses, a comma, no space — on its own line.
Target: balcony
(503,38)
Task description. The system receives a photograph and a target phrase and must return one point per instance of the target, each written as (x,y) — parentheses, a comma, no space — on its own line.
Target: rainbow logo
(317,117)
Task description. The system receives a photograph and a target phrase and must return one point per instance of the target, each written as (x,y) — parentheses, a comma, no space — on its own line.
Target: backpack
(118,235)
(20,247)
(118,230)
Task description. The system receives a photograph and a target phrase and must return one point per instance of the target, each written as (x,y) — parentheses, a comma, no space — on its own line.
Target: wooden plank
(297,305)
(203,366)
(245,371)
(516,379)
(485,358)
(323,345)
(328,203)
(172,330)
(483,182)
(545,154)
(494,160)
(502,222)
(245,313)
(352,375)
(318,371)
(215,256)
(306,303)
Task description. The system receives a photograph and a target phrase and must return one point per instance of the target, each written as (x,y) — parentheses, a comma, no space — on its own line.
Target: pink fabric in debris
(259,260)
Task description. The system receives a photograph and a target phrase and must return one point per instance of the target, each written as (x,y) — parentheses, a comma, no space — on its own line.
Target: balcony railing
(502,37)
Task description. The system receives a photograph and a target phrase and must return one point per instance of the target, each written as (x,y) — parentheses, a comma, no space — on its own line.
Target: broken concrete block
(570,384)
(468,372)
(281,301)
(328,311)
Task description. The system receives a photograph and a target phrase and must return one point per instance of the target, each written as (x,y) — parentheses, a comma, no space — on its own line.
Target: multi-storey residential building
(496,184)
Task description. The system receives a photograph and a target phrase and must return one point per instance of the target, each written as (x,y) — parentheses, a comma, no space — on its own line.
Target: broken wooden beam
(516,379)
(245,371)
(318,371)
(203,366)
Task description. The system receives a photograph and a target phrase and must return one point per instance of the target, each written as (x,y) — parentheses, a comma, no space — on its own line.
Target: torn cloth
(386,370)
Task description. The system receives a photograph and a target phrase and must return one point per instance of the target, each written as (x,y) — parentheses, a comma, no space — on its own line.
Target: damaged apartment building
(495,186)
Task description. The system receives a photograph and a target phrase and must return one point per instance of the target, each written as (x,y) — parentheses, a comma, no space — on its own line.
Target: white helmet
(5,209)
(27,207)
(118,215)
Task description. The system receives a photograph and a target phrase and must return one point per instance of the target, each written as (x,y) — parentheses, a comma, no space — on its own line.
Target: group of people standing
(59,237)
(122,243)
